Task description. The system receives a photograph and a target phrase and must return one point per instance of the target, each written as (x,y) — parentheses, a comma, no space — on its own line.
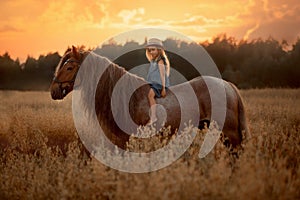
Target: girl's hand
(163,92)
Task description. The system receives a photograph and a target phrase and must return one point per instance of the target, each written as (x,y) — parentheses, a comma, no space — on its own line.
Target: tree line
(249,64)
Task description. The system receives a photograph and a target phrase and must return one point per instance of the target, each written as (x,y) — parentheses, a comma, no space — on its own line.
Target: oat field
(41,157)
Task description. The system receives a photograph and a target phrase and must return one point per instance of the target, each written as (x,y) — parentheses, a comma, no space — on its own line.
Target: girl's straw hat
(155,42)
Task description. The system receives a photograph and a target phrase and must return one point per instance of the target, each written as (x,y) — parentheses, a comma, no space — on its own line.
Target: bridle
(56,80)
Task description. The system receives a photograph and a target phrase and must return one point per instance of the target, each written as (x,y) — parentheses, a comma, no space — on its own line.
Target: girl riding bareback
(158,74)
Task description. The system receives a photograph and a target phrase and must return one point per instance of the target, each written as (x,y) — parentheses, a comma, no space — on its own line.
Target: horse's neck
(84,55)
(94,70)
(107,77)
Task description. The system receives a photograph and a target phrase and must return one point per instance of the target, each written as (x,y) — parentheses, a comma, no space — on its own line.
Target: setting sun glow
(31,27)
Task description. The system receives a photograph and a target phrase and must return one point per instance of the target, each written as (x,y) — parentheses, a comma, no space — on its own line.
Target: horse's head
(66,71)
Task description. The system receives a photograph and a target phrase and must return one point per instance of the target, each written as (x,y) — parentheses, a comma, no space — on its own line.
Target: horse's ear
(68,50)
(75,52)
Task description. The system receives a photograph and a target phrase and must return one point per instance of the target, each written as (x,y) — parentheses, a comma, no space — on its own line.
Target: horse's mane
(95,66)
(114,87)
(95,84)
(113,70)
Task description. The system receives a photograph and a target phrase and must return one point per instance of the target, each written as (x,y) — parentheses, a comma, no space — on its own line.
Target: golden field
(41,157)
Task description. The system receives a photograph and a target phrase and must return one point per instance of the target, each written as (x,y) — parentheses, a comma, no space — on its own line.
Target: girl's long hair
(161,53)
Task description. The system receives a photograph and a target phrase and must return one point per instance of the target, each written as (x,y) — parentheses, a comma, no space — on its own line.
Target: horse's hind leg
(232,138)
(203,124)
(230,132)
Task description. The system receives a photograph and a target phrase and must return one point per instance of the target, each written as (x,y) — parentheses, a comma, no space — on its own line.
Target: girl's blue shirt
(153,76)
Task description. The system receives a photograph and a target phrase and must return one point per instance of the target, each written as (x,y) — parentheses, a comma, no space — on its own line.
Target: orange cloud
(33,27)
(9,28)
(250,31)
(129,15)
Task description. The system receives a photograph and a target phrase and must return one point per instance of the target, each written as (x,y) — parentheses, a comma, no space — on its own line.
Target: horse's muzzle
(57,94)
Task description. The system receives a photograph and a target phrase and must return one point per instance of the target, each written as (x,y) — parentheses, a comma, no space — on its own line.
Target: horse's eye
(69,68)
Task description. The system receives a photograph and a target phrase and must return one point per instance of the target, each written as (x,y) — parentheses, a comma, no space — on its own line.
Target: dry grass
(40,157)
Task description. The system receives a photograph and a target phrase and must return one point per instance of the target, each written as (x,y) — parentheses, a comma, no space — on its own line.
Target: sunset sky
(33,27)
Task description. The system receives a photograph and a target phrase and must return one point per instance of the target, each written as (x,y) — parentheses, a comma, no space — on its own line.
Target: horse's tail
(243,125)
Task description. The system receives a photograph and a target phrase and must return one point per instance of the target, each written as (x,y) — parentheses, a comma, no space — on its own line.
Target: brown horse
(234,128)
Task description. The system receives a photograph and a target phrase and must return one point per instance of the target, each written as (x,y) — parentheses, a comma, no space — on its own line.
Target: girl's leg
(152,102)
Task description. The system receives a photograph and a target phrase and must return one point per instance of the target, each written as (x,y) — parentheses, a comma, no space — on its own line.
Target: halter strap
(56,80)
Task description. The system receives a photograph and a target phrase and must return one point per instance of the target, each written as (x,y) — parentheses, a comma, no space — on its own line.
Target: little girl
(158,74)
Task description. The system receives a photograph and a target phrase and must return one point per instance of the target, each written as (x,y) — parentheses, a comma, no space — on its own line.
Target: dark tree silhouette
(249,64)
